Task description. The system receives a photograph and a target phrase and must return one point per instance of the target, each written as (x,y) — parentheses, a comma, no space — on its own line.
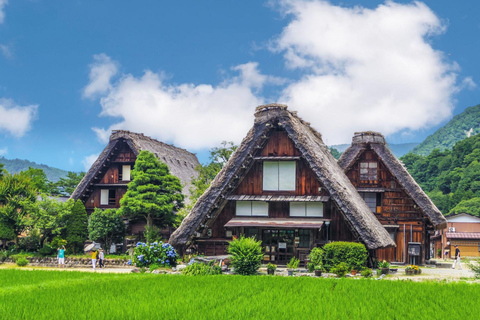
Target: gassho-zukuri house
(283,186)
(106,181)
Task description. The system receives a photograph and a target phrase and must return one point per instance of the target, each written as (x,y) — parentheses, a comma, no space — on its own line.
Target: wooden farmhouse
(393,196)
(106,182)
(463,230)
(283,186)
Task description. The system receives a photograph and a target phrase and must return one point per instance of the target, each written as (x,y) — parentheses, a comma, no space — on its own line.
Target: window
(126,173)
(368,171)
(252,208)
(306,209)
(107,197)
(370,199)
(279,175)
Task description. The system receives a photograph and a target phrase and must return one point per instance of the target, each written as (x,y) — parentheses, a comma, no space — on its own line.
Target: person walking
(61,257)
(94,258)
(457,258)
(101,259)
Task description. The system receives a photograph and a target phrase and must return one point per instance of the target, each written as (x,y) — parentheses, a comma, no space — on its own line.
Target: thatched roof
(309,142)
(373,140)
(181,162)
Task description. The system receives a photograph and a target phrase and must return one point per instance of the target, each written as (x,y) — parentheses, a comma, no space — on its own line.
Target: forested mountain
(463,125)
(451,178)
(17,165)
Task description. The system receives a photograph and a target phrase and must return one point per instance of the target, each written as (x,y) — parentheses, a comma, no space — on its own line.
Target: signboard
(282,245)
(414,249)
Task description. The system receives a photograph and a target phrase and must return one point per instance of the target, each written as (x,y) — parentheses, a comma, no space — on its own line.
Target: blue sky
(191,73)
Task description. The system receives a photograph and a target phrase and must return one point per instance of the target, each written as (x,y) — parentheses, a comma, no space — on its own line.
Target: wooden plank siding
(396,208)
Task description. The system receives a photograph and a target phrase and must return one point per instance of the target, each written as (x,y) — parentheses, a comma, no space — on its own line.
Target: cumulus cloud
(366,69)
(3,3)
(101,72)
(188,115)
(89,160)
(3,152)
(15,119)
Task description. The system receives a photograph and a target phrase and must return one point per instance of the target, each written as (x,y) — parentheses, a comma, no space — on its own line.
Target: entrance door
(279,245)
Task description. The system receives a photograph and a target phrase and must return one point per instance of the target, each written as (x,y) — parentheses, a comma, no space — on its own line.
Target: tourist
(94,258)
(101,259)
(61,257)
(457,258)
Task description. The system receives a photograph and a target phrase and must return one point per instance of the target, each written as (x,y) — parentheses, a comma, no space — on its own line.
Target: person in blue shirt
(61,257)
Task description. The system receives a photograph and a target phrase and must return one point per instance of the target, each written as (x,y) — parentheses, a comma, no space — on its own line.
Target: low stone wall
(72,262)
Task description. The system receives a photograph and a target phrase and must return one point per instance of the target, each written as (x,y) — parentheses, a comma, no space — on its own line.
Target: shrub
(201,269)
(352,253)
(310,267)
(316,256)
(246,255)
(340,269)
(30,243)
(475,267)
(293,264)
(384,264)
(46,250)
(367,273)
(58,242)
(162,254)
(22,261)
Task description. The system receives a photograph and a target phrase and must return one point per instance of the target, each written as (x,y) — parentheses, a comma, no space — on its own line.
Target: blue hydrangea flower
(129,262)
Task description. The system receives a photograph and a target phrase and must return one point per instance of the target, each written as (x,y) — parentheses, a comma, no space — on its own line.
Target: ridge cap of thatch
(368,137)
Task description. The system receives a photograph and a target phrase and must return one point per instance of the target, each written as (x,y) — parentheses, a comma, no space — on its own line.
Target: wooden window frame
(367,171)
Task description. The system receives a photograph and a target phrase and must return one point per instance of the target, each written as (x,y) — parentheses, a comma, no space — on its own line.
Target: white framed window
(104,197)
(306,209)
(126,172)
(252,208)
(279,175)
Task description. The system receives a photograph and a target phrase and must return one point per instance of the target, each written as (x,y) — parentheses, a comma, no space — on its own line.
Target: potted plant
(412,269)
(271,268)
(319,270)
(384,267)
(292,265)
(353,272)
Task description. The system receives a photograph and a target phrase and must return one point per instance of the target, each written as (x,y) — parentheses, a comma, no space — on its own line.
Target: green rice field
(42,294)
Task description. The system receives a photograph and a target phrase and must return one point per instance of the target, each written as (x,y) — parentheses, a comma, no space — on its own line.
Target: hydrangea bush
(159,253)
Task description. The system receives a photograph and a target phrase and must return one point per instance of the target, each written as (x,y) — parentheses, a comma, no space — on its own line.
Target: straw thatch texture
(310,144)
(375,141)
(181,162)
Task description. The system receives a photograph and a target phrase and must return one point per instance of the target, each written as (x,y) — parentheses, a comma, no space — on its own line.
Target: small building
(284,187)
(106,182)
(393,196)
(463,230)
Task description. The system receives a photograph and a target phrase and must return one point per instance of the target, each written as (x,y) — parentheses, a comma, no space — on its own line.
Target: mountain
(463,125)
(17,165)
(397,149)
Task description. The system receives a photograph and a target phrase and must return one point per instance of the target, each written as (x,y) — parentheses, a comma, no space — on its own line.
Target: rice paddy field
(43,294)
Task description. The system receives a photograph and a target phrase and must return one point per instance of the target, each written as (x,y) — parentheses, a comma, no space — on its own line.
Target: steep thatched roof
(181,162)
(373,140)
(310,144)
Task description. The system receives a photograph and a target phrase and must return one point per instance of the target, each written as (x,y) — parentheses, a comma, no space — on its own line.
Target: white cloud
(6,50)
(3,152)
(89,160)
(101,72)
(15,119)
(366,69)
(190,116)
(3,3)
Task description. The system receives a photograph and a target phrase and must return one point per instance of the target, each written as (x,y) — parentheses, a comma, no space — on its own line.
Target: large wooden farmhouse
(106,182)
(283,186)
(393,196)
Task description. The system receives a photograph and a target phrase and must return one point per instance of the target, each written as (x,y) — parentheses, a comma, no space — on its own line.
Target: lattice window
(369,171)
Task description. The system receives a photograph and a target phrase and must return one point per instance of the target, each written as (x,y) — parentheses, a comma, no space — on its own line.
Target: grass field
(76,295)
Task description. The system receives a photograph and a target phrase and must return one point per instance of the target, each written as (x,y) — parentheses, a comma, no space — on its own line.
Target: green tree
(471,206)
(39,180)
(153,192)
(49,216)
(106,227)
(76,227)
(2,170)
(69,183)
(335,153)
(17,198)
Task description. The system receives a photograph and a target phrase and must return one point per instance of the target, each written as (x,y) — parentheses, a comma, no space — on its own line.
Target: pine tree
(153,192)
